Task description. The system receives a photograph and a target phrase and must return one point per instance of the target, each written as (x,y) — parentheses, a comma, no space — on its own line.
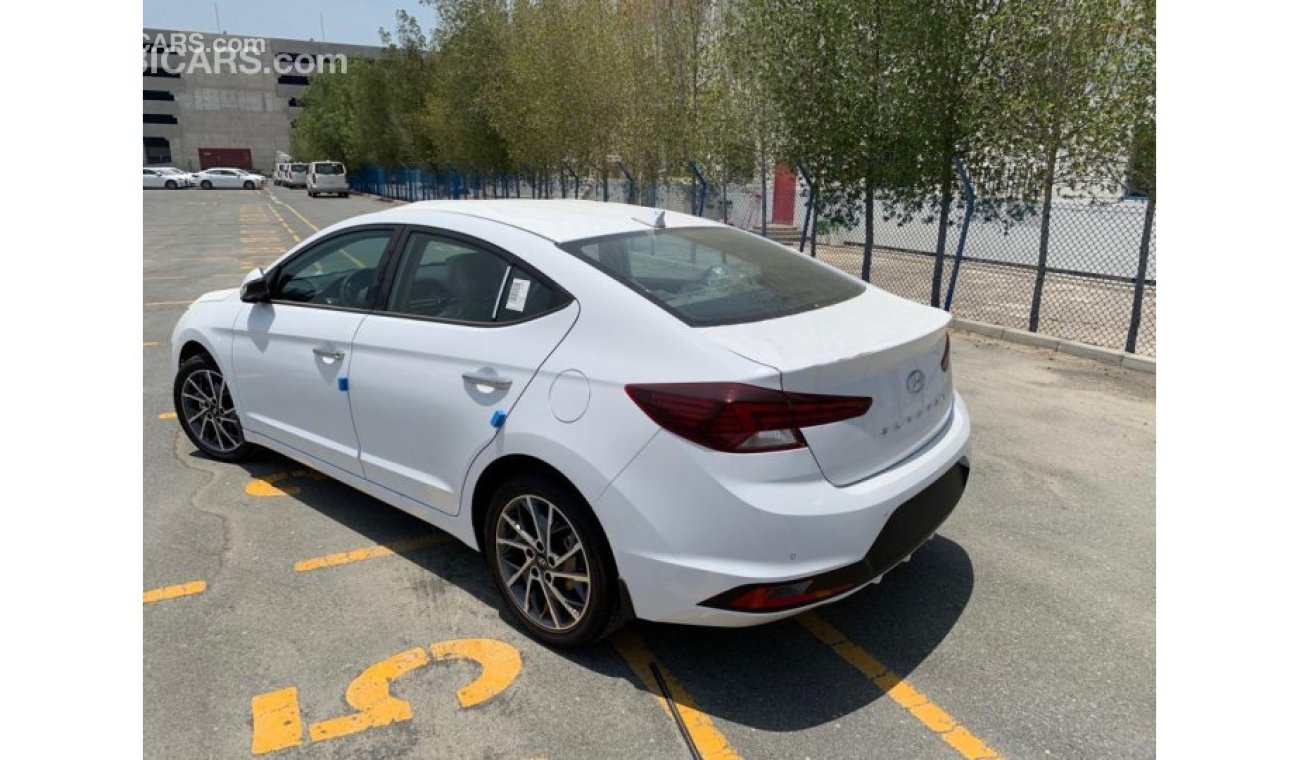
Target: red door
(783,195)
(235,158)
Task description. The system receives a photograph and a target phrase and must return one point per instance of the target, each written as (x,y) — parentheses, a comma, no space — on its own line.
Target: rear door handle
(328,354)
(491,381)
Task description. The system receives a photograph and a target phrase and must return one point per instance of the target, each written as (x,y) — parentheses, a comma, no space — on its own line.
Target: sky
(354,21)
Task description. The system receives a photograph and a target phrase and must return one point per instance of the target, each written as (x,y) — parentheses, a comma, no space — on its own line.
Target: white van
(327,177)
(295,174)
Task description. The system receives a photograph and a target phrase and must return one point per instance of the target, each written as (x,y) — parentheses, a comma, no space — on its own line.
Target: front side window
(442,278)
(716,275)
(341,271)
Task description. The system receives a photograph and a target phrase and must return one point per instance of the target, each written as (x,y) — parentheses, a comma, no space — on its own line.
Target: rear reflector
(735,417)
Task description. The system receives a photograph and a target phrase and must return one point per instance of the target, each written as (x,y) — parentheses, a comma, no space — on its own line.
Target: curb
(1074,348)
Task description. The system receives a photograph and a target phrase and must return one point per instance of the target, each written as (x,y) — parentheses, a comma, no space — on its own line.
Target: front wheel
(344,194)
(549,559)
(248,184)
(206,185)
(171,184)
(206,410)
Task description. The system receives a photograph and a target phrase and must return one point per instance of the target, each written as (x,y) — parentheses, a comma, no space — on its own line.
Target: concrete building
(229,100)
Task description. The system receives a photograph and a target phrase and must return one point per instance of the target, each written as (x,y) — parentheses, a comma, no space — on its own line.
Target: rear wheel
(206,410)
(549,559)
(171,184)
(206,185)
(344,194)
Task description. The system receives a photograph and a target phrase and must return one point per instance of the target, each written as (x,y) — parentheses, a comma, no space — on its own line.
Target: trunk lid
(876,345)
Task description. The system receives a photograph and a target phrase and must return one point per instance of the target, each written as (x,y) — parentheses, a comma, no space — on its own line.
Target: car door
(292,354)
(152,179)
(461,333)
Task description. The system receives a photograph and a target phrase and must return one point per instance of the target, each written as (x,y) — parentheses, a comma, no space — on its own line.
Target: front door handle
(491,381)
(328,354)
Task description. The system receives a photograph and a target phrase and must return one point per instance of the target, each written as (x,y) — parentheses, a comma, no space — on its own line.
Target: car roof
(559,221)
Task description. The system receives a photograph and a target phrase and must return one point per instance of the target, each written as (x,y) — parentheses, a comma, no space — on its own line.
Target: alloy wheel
(543,563)
(209,411)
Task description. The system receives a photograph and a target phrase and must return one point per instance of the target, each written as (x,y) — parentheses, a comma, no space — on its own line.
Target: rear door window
(716,275)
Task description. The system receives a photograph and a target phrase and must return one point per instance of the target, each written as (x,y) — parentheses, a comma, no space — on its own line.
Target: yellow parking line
(171,592)
(150,343)
(369,552)
(297,238)
(928,713)
(167,416)
(708,740)
(300,216)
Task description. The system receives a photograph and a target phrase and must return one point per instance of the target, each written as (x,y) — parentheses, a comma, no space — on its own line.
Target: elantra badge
(915,381)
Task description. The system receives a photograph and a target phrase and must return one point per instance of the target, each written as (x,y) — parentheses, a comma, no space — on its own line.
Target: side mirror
(255,288)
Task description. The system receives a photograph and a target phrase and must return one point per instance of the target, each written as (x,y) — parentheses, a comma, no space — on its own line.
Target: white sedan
(229,178)
(632,413)
(155,177)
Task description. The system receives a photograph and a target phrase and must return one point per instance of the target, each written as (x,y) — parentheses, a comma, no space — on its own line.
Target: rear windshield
(298,167)
(716,275)
(329,168)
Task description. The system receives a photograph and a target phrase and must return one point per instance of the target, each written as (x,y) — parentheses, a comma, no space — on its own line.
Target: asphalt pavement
(287,615)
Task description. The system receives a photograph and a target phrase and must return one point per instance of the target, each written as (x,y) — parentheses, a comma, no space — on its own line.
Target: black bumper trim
(907,528)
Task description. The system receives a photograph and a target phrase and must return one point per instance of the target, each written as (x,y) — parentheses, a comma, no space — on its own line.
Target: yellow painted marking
(370,696)
(150,343)
(928,713)
(300,216)
(500,662)
(265,485)
(370,552)
(707,738)
(277,721)
(167,416)
(285,224)
(171,592)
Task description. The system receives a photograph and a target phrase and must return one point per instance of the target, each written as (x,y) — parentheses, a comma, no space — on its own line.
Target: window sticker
(518,295)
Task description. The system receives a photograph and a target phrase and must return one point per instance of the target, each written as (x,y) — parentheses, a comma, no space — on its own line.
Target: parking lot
(287,615)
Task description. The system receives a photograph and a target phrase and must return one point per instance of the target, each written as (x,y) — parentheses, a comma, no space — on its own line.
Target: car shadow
(776,677)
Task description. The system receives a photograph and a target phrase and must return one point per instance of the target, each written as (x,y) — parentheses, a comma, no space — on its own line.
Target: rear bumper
(688,535)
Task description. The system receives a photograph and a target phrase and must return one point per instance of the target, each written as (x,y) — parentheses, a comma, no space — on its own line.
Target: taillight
(735,417)
(947,344)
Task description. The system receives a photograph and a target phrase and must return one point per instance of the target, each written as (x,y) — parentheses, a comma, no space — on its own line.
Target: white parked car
(327,177)
(163,177)
(229,178)
(630,412)
(295,175)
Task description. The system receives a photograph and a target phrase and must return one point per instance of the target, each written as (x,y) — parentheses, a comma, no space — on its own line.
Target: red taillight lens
(786,595)
(947,344)
(735,417)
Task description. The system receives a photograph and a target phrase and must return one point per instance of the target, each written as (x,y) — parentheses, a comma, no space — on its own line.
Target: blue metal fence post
(968,192)
(701,188)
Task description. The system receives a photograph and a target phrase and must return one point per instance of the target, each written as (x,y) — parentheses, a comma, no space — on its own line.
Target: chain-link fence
(1086,287)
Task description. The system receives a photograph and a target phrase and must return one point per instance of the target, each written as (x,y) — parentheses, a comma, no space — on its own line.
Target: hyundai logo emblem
(915,381)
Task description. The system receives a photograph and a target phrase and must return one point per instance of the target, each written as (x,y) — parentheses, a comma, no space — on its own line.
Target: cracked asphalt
(1028,623)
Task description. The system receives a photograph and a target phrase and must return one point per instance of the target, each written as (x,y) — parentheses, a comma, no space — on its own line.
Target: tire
(553,623)
(206,185)
(311,193)
(248,184)
(344,195)
(220,434)
(171,184)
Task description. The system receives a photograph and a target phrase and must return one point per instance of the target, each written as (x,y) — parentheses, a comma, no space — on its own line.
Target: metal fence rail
(1097,284)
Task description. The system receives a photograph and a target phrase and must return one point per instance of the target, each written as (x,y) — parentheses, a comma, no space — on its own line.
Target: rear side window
(716,275)
(446,279)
